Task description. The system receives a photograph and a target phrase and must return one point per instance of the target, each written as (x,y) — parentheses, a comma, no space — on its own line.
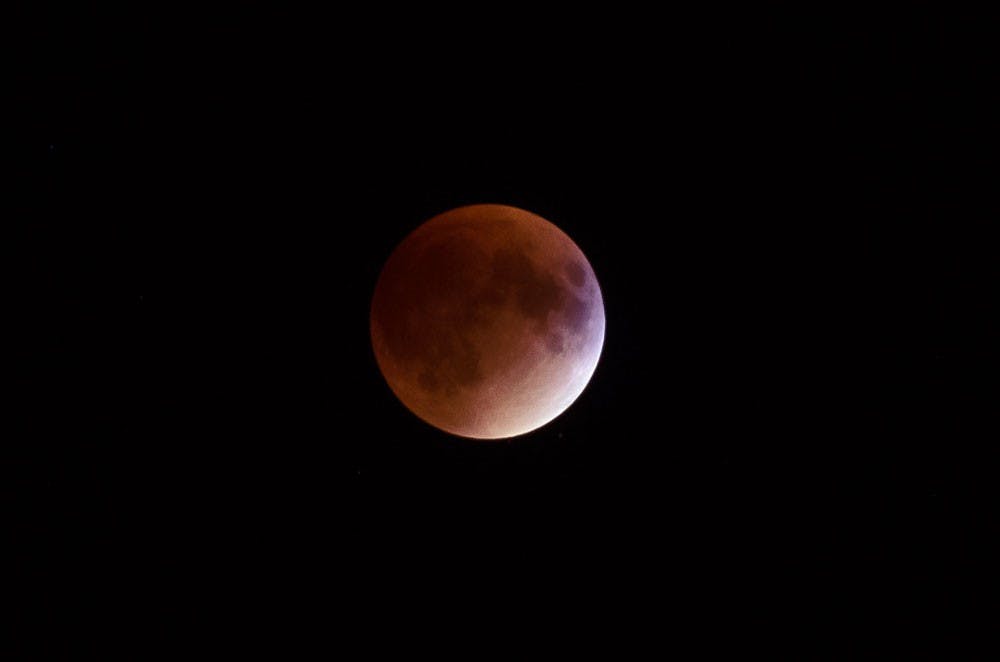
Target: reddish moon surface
(487,321)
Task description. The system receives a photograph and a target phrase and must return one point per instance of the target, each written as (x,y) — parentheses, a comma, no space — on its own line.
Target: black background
(791,430)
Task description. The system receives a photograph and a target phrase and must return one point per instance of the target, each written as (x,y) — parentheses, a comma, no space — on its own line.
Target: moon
(487,321)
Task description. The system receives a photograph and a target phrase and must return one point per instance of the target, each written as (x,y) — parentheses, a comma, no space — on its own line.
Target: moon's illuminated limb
(487,321)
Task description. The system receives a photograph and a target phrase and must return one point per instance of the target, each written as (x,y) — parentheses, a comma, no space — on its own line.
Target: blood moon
(487,321)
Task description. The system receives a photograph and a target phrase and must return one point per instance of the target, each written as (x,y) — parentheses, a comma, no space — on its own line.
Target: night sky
(792,429)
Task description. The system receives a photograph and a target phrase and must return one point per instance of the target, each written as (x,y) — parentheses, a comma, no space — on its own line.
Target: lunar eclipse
(487,321)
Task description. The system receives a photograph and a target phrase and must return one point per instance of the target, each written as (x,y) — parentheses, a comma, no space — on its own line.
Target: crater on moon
(576,273)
